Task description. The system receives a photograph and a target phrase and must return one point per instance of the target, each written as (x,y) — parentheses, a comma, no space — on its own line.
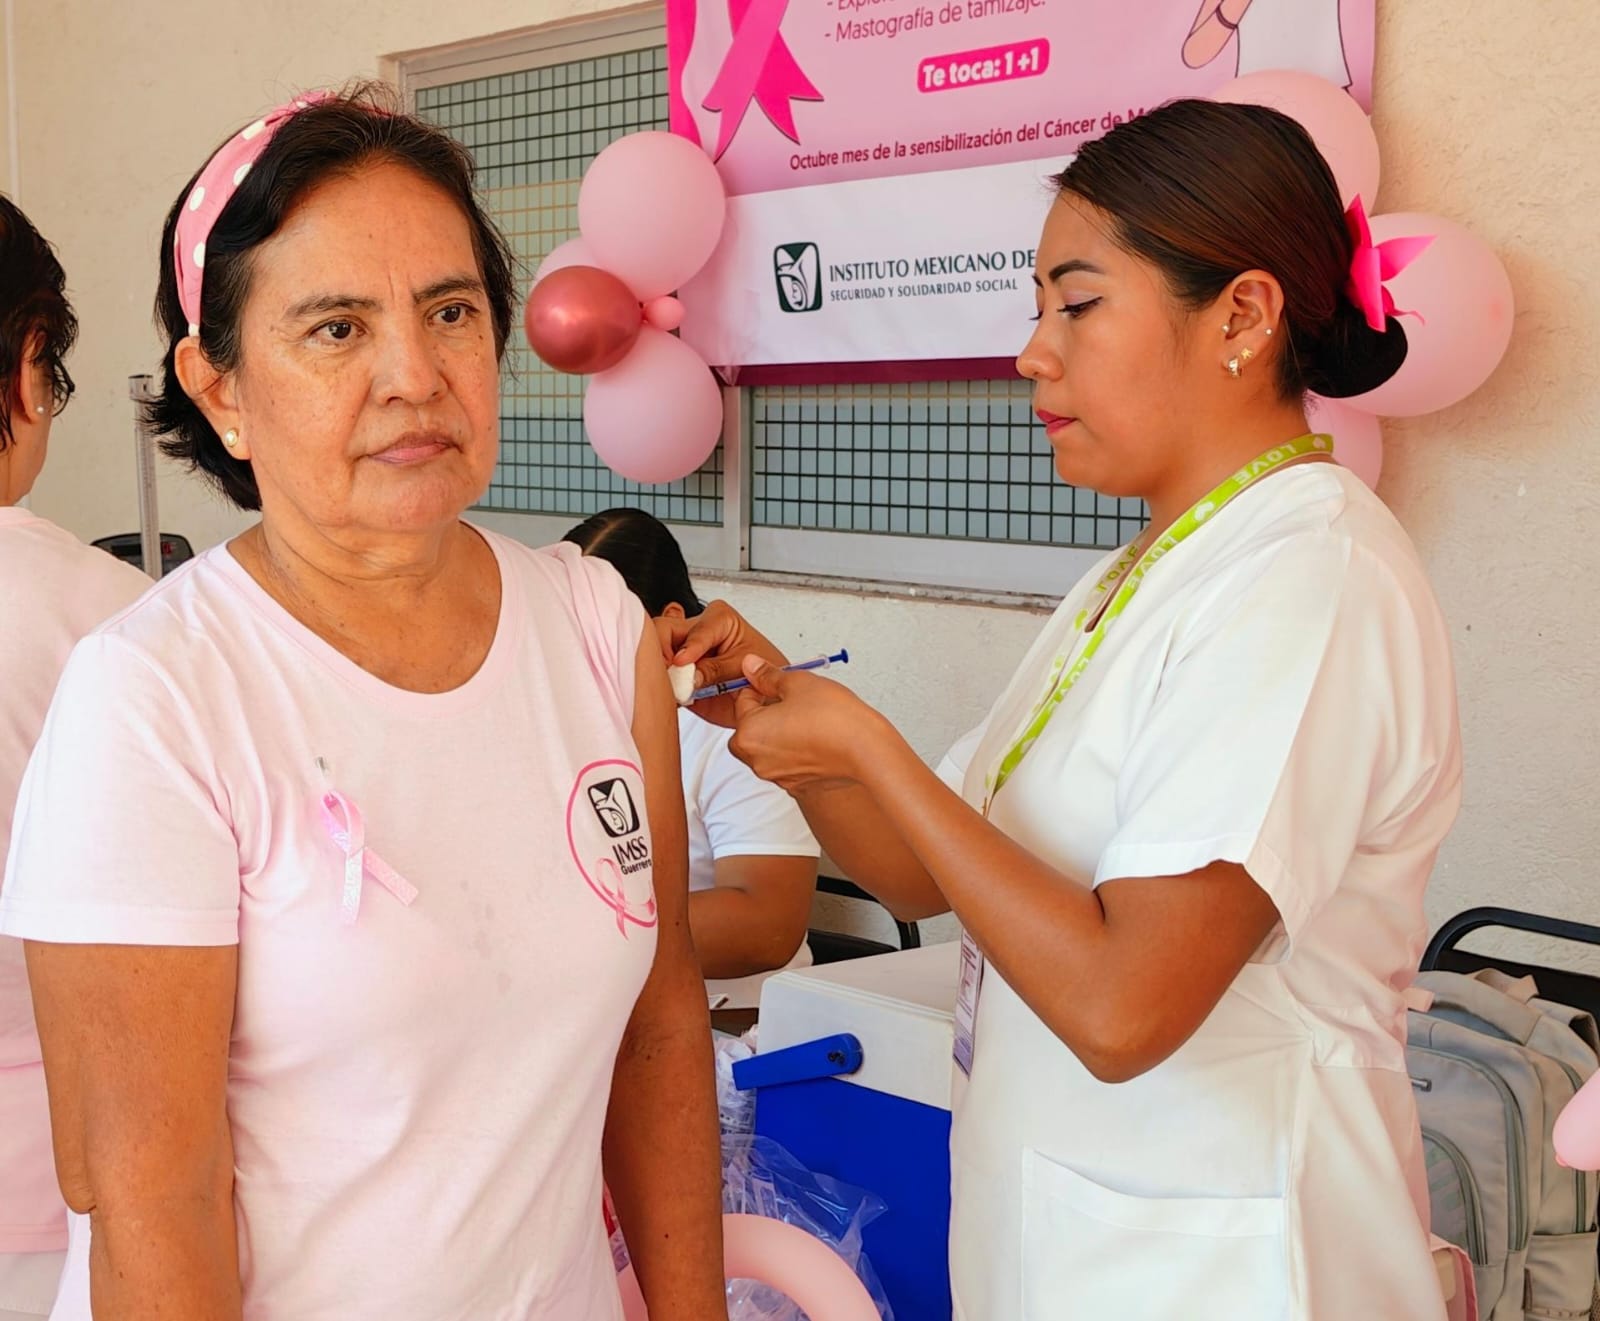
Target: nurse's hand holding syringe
(840,657)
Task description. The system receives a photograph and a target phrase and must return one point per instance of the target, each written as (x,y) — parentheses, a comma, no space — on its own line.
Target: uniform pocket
(1090,1253)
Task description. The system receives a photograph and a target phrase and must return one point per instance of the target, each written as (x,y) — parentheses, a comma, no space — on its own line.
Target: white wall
(119,103)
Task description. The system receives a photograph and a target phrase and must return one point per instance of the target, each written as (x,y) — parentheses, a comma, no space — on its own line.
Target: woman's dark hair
(33,301)
(358,128)
(1205,191)
(645,553)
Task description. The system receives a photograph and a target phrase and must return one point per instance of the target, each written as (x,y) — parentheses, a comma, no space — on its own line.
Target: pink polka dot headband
(214,189)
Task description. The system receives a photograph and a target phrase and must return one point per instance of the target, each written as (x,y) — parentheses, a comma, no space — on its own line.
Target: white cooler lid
(900,1006)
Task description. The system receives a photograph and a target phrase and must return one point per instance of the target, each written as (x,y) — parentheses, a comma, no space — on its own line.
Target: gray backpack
(1491,1067)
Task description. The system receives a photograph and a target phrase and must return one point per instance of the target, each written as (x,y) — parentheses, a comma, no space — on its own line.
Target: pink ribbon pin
(1375,264)
(346,829)
(759,67)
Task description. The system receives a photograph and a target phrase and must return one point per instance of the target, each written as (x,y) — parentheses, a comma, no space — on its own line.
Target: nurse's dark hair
(37,324)
(1205,191)
(646,554)
(361,126)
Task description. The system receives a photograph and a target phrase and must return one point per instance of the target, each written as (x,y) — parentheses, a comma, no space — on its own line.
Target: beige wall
(118,104)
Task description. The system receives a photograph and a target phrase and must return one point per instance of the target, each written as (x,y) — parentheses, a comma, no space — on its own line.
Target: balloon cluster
(650,212)
(1455,285)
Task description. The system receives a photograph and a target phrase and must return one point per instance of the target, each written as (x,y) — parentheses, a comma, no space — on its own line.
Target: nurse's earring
(230,438)
(1236,365)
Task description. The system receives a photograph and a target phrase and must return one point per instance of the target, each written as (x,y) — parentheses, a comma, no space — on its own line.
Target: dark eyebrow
(322,304)
(451,284)
(1071,268)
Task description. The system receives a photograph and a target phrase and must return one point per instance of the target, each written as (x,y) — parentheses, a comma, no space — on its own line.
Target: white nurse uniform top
(1278,694)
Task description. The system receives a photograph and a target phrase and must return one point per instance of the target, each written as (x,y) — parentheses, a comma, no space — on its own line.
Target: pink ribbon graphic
(759,67)
(346,829)
(1374,264)
(616,898)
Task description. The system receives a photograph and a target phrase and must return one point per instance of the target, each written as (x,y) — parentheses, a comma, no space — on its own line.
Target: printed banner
(886,159)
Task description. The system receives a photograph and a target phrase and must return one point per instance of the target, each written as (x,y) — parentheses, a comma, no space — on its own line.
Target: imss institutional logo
(798,267)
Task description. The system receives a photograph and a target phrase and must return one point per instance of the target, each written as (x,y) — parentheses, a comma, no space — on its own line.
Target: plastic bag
(759,1177)
(736,1110)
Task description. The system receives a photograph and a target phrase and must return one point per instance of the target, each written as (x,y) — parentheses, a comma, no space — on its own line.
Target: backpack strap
(1508,1016)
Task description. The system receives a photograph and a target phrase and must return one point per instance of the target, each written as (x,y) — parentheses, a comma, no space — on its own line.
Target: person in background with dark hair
(752,859)
(351,861)
(54,589)
(1190,842)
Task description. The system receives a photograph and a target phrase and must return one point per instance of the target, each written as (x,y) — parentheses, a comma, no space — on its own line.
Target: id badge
(972,964)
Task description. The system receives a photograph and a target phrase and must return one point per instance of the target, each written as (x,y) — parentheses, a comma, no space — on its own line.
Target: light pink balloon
(651,208)
(1465,308)
(1577,1133)
(1333,118)
(574,252)
(1357,436)
(784,1256)
(657,415)
(664,313)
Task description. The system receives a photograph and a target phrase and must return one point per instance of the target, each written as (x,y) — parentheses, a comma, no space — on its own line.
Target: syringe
(841,657)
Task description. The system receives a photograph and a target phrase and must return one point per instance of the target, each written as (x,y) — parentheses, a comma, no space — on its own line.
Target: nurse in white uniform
(1189,844)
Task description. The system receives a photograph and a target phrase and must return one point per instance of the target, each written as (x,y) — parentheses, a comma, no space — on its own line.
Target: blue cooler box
(853,1078)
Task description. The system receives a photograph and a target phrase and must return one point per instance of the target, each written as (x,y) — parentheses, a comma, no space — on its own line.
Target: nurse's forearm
(869,848)
(1124,974)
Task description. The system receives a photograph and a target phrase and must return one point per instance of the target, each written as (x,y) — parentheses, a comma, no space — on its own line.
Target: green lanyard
(1129,571)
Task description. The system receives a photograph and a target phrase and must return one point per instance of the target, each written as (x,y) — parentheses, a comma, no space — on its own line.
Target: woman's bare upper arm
(135,1042)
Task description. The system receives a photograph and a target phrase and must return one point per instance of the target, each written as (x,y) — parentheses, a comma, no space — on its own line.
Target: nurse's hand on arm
(135,1045)
(1123,974)
(662,1150)
(841,813)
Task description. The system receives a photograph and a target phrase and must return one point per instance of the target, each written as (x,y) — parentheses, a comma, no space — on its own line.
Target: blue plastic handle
(828,1057)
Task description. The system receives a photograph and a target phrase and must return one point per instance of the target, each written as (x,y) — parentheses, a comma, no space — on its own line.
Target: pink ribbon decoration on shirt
(346,829)
(759,67)
(1374,264)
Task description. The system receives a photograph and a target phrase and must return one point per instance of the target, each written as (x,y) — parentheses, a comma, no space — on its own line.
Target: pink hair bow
(1374,264)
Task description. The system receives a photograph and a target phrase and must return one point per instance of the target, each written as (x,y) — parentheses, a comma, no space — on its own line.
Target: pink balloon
(1464,304)
(574,252)
(657,415)
(811,1273)
(664,313)
(651,208)
(581,320)
(1333,118)
(1577,1133)
(1357,436)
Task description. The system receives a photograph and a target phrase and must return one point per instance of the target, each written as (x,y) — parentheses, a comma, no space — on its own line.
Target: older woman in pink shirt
(351,863)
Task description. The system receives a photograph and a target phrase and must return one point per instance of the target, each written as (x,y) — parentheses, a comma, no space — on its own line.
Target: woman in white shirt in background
(1189,844)
(53,590)
(752,859)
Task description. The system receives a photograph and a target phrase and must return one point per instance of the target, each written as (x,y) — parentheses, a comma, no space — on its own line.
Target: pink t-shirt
(416,1095)
(53,590)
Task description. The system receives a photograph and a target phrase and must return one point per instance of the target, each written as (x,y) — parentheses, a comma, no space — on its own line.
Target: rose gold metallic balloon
(582,320)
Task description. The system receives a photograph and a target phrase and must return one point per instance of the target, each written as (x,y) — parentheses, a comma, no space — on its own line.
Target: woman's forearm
(662,1150)
(169,1257)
